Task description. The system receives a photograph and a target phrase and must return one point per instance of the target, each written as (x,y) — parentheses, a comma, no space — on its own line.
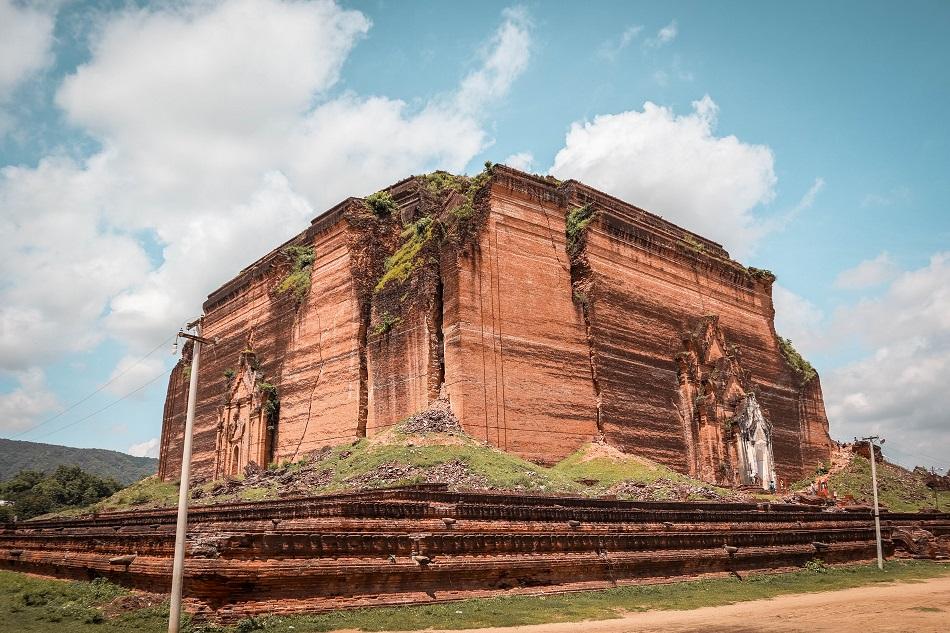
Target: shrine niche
(247,421)
(728,437)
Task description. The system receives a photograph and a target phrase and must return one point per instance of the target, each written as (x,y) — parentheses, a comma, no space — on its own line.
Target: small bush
(297,280)
(693,244)
(795,360)
(817,566)
(381,204)
(577,222)
(247,625)
(386,322)
(399,266)
(761,274)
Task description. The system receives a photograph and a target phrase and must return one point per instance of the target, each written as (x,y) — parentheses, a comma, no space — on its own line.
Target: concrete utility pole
(174,607)
(877,513)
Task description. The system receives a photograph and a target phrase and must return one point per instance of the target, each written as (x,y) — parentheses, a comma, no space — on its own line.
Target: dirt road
(905,607)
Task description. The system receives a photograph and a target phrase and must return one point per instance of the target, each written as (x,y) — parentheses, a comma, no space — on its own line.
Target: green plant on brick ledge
(577,222)
(297,280)
(795,360)
(387,321)
(381,204)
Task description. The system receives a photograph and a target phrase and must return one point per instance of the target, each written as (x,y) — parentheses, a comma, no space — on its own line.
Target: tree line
(31,493)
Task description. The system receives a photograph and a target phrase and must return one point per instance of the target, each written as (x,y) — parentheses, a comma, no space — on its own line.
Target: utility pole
(178,568)
(877,514)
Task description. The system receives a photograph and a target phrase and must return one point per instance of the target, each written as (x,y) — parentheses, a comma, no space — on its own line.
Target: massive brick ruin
(548,312)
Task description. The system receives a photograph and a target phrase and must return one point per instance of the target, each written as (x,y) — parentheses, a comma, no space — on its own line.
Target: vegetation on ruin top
(399,266)
(297,280)
(381,204)
(404,455)
(795,360)
(578,219)
(34,605)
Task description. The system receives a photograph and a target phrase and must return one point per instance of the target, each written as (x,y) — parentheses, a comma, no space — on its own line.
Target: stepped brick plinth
(314,554)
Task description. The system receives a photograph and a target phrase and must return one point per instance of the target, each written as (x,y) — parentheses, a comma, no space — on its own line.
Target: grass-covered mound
(899,489)
(420,451)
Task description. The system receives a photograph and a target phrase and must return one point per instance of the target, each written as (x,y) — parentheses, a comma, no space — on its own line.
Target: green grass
(601,473)
(147,493)
(900,490)
(31,604)
(500,469)
(350,464)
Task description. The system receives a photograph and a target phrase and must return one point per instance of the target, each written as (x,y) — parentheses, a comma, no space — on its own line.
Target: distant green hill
(16,456)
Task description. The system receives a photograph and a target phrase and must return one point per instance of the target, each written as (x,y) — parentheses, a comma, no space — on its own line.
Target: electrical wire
(108,406)
(100,388)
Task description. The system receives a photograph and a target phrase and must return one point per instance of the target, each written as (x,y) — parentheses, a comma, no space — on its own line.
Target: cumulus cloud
(869,273)
(219,139)
(798,319)
(30,400)
(26,39)
(676,166)
(148,448)
(899,389)
(131,372)
(26,35)
(521,160)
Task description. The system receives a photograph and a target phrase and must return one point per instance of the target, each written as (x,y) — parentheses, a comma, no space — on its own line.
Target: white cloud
(64,261)
(522,160)
(26,35)
(869,273)
(798,319)
(676,166)
(219,140)
(505,58)
(30,400)
(899,389)
(611,48)
(148,448)
(664,36)
(26,39)
(131,372)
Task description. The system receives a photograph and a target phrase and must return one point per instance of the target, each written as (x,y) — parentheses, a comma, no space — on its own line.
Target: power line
(100,388)
(108,406)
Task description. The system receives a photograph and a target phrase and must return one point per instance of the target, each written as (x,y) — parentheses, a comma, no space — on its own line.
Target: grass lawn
(32,604)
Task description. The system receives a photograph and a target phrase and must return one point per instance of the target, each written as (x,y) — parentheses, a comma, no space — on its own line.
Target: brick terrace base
(424,544)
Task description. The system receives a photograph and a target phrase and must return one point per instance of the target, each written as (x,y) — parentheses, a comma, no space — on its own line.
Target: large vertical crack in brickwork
(437,342)
(362,337)
(583,290)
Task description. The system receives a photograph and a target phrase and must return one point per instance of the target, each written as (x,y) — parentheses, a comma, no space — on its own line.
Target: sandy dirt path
(911,607)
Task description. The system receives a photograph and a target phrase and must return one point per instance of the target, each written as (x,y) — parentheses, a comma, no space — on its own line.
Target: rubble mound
(665,489)
(456,473)
(438,418)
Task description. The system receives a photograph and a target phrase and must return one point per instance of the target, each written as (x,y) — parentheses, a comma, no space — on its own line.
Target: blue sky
(141,144)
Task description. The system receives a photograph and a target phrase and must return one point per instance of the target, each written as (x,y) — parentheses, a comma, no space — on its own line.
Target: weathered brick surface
(529,362)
